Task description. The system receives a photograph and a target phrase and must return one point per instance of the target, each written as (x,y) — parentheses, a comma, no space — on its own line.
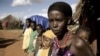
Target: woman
(27,35)
(34,33)
(66,44)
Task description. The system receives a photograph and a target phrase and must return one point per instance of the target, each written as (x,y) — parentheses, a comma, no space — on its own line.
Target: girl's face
(32,25)
(27,23)
(39,39)
(84,35)
(46,42)
(39,29)
(57,21)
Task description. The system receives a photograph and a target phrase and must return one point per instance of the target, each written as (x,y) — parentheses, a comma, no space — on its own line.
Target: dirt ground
(11,43)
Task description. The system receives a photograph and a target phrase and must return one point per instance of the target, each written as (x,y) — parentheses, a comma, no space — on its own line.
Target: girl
(34,33)
(38,38)
(47,39)
(65,44)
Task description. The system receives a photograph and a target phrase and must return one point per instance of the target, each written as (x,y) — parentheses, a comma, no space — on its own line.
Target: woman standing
(34,33)
(65,44)
(27,35)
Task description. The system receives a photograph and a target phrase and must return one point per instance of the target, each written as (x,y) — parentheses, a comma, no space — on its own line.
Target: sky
(26,8)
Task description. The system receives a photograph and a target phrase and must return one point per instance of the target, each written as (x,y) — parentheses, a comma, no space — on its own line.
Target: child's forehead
(82,30)
(83,33)
(46,37)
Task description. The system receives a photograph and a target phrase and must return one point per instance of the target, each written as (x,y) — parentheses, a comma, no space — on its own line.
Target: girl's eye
(50,20)
(59,20)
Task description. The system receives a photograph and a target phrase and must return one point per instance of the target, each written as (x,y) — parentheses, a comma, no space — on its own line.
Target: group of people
(57,40)
(36,41)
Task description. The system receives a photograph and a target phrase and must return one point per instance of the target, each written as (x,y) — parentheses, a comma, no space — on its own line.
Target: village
(11,28)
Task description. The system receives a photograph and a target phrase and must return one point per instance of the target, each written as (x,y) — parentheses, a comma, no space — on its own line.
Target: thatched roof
(85,9)
(10,19)
(11,22)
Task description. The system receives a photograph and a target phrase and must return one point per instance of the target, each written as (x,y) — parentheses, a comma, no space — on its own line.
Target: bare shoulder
(78,42)
(80,48)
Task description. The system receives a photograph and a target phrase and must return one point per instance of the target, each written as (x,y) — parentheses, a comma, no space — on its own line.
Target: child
(39,28)
(84,33)
(38,38)
(34,33)
(38,44)
(46,43)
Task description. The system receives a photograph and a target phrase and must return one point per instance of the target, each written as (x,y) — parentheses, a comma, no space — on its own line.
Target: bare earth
(11,43)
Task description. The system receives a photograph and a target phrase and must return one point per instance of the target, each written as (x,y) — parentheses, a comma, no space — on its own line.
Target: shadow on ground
(6,42)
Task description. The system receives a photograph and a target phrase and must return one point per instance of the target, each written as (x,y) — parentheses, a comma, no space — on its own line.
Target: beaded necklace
(65,41)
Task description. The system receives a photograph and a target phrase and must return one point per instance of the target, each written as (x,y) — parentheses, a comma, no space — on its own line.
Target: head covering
(49,34)
(63,7)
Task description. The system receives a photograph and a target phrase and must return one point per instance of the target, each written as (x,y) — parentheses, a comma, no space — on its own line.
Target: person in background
(66,43)
(38,44)
(47,40)
(34,33)
(40,29)
(38,38)
(27,35)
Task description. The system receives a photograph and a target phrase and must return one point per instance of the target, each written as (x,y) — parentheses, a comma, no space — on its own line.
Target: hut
(10,22)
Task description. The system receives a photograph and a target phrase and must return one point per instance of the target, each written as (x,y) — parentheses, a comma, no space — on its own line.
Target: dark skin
(46,42)
(39,29)
(33,26)
(54,19)
(27,23)
(58,23)
(84,35)
(39,38)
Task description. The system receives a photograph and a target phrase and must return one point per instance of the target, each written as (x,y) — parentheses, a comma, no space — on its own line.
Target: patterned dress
(57,51)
